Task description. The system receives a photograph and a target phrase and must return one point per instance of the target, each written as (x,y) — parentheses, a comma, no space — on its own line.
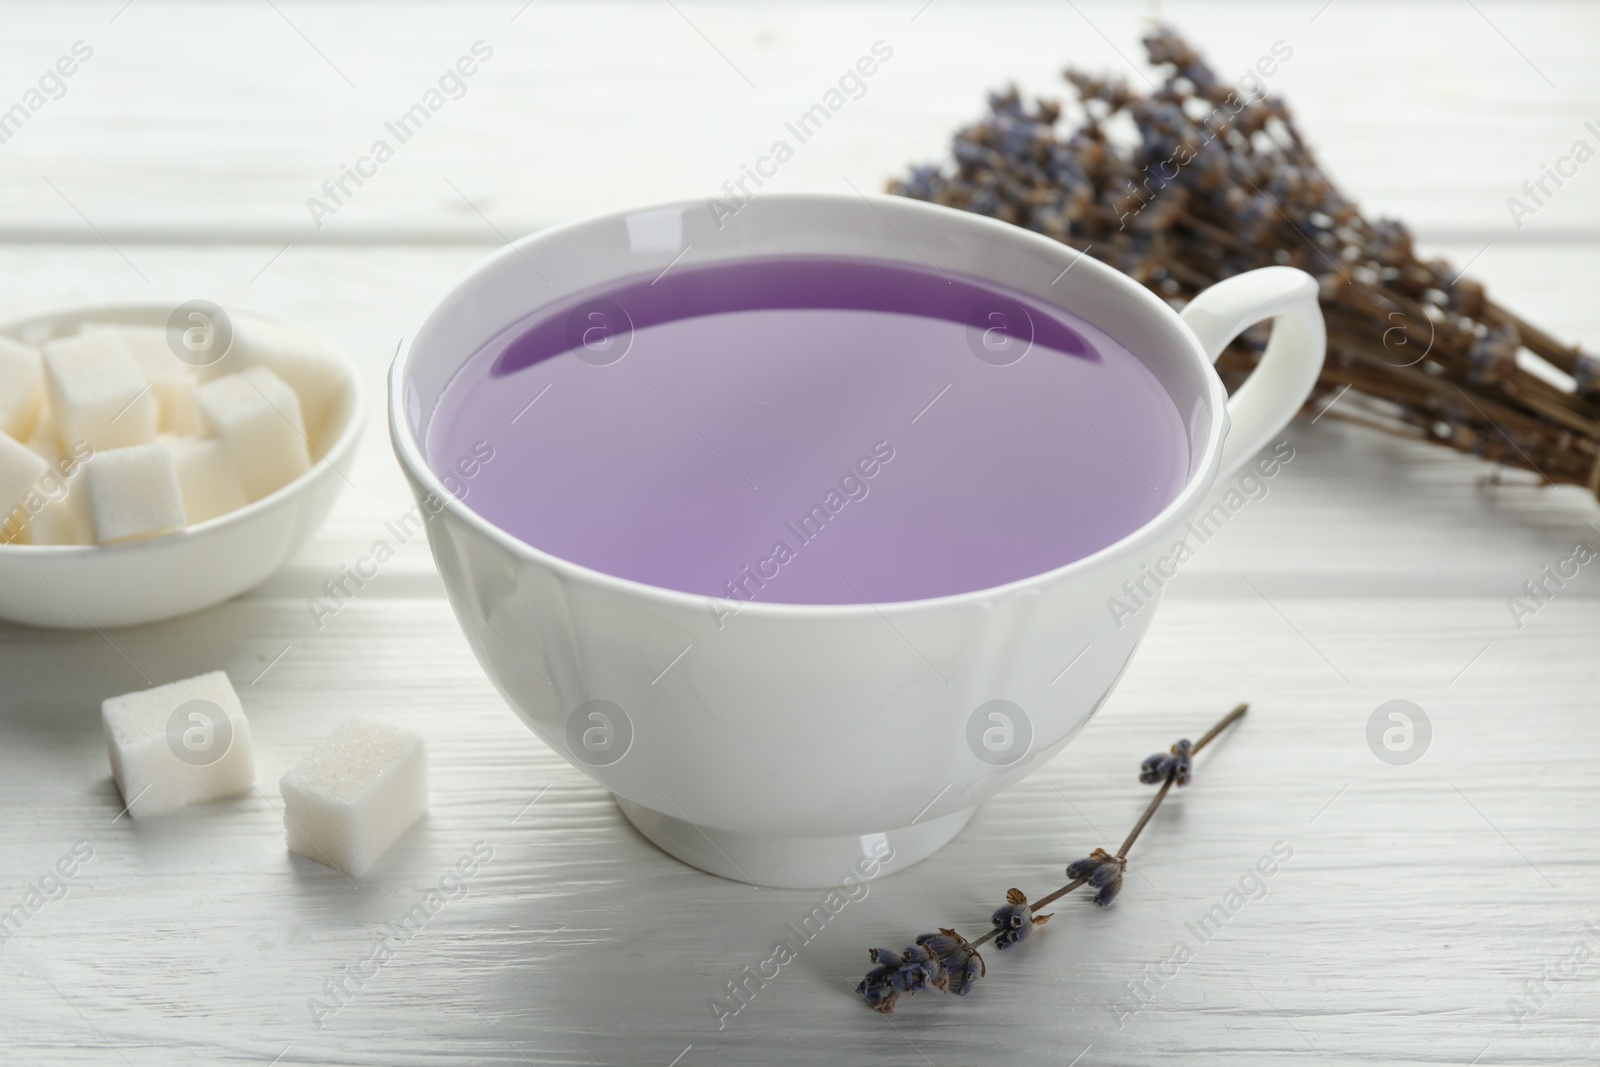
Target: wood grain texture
(1419,899)
(200,119)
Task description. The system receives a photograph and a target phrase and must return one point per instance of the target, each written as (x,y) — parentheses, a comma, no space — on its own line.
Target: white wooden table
(1420,899)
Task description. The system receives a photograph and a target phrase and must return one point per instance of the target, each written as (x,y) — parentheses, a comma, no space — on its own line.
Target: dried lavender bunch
(949,962)
(1219,182)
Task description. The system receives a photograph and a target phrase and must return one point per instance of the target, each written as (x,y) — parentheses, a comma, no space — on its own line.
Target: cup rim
(328,459)
(408,449)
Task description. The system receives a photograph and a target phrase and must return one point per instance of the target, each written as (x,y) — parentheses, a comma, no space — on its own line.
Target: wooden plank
(1352,513)
(241,112)
(1418,899)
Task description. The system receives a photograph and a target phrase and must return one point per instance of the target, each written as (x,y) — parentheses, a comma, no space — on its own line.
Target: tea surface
(810,431)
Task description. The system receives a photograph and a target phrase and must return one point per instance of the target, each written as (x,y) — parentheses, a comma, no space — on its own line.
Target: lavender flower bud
(878,995)
(940,944)
(1015,923)
(961,965)
(886,957)
(1587,376)
(1082,868)
(1015,920)
(1176,763)
(961,983)
(1105,874)
(919,970)
(1094,861)
(878,987)
(1109,891)
(1182,765)
(1493,357)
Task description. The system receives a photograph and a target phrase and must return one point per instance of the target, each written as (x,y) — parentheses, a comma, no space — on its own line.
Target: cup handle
(1283,379)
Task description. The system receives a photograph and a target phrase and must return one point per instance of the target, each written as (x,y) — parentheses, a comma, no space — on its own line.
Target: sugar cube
(314,372)
(353,795)
(44,439)
(63,517)
(21,387)
(207,479)
(178,744)
(64,520)
(171,379)
(20,471)
(258,417)
(133,493)
(55,508)
(97,393)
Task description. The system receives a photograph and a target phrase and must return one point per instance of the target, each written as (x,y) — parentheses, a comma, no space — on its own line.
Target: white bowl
(94,586)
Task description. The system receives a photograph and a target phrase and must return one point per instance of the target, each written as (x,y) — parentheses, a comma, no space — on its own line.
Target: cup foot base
(790,862)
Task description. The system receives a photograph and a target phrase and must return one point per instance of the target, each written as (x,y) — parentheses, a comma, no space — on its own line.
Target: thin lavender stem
(1051,898)
(991,935)
(1222,724)
(1149,811)
(1166,787)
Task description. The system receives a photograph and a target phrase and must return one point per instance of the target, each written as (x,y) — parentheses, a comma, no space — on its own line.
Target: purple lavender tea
(810,431)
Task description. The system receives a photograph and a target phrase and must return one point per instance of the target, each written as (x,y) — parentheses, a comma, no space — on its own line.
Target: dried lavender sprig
(949,962)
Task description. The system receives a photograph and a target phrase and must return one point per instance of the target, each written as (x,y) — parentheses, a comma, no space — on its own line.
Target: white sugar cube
(178,744)
(63,517)
(64,520)
(44,439)
(207,478)
(171,379)
(21,388)
(258,417)
(55,508)
(97,393)
(352,797)
(20,496)
(133,493)
(309,367)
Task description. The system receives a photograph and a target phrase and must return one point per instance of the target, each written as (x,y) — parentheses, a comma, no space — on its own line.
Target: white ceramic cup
(788,748)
